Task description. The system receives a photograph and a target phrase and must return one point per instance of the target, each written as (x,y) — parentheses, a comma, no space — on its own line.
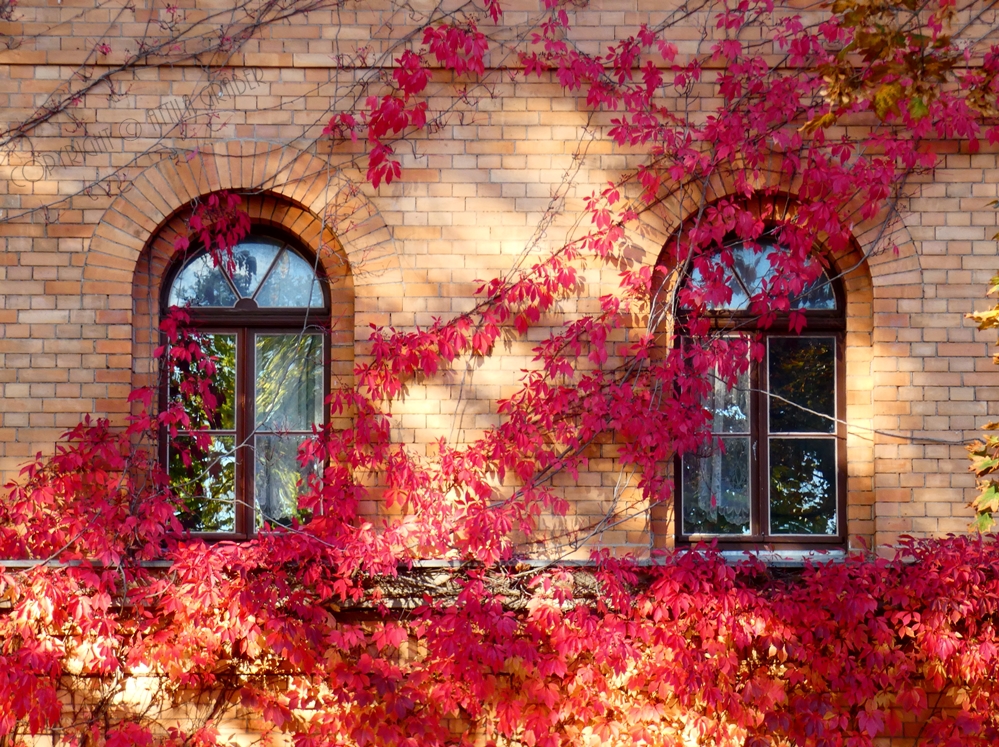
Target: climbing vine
(118,628)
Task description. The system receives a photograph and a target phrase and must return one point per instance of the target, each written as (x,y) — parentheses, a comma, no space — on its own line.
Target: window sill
(785,558)
(773,558)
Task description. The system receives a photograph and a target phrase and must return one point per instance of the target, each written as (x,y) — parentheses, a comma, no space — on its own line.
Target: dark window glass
(803,486)
(802,375)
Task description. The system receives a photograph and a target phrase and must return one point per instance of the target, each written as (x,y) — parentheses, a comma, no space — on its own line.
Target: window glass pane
(252,259)
(818,296)
(222,349)
(745,277)
(204,480)
(803,486)
(802,378)
(200,283)
(292,283)
(715,489)
(751,269)
(289,381)
(730,406)
(276,477)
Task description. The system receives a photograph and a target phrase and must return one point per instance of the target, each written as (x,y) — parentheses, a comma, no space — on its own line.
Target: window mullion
(270,269)
(841,453)
(760,444)
(245,398)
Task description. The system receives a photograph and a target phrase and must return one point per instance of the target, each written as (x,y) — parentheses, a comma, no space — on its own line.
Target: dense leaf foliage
(117,628)
(985,453)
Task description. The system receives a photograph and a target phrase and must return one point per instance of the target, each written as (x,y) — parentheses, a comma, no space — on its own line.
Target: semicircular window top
(266,323)
(773,470)
(753,271)
(265,273)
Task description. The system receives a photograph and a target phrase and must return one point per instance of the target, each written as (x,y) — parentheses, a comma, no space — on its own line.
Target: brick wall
(91,201)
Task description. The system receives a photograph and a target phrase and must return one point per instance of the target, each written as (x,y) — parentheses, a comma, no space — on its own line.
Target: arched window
(266,321)
(774,470)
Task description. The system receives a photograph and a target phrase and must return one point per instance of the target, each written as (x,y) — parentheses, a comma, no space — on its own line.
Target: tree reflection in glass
(289,381)
(277,476)
(802,379)
(200,283)
(715,484)
(288,401)
(752,270)
(205,482)
(251,260)
(221,348)
(263,269)
(803,486)
(292,282)
(204,478)
(802,374)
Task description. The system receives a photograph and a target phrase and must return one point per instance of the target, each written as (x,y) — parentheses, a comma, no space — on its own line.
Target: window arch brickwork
(850,268)
(330,320)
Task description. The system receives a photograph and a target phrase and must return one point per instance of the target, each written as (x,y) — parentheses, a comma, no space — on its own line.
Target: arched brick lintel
(855,266)
(882,241)
(169,186)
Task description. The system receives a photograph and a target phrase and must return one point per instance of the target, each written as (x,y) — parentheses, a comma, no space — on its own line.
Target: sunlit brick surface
(80,265)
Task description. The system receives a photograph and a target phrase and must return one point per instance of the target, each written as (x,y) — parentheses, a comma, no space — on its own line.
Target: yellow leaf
(886,98)
(818,123)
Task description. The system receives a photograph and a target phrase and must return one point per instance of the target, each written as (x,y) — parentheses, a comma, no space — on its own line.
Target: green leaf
(983,523)
(918,108)
(986,465)
(988,501)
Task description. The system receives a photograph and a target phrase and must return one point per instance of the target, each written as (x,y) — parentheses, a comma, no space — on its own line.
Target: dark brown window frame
(819,323)
(245,323)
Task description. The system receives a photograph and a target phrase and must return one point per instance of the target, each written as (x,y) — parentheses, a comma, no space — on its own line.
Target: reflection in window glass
(200,283)
(292,283)
(716,497)
(204,477)
(802,376)
(271,274)
(204,481)
(753,270)
(803,486)
(818,296)
(222,350)
(289,397)
(251,260)
(749,270)
(716,491)
(277,475)
(730,406)
(289,381)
